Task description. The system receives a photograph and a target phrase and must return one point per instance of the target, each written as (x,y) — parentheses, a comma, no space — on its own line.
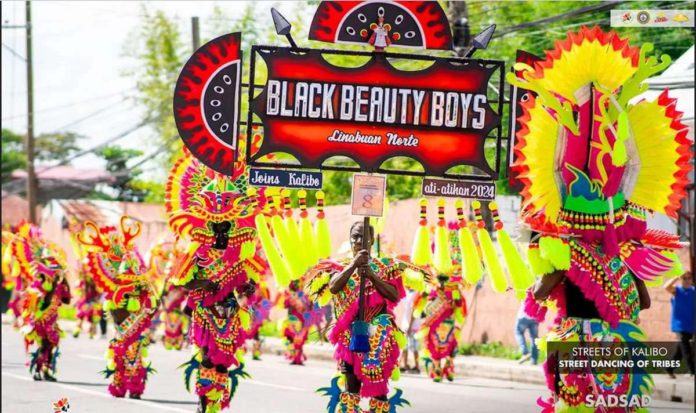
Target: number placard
(367,198)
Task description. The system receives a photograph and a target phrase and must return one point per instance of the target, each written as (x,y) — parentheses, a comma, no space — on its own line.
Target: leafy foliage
(13,157)
(57,146)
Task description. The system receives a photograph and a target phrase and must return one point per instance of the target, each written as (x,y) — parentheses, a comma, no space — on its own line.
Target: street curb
(666,389)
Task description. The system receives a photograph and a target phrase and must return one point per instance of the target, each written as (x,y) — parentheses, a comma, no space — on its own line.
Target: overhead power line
(71,104)
(14,52)
(567,15)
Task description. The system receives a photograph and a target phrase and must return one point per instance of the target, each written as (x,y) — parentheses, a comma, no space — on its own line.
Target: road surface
(274,387)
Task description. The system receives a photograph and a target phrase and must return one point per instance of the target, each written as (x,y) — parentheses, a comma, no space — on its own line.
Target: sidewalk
(679,390)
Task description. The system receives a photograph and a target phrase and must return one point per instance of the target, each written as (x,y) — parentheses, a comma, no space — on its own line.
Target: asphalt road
(274,387)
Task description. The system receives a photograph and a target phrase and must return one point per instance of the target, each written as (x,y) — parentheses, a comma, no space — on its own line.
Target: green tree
(116,158)
(56,146)
(159,52)
(13,157)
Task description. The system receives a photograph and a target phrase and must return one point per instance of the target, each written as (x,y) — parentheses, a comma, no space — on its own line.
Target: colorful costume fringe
(118,269)
(593,166)
(215,212)
(376,367)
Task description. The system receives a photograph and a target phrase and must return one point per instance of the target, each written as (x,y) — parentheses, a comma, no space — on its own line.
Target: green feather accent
(618,154)
(539,265)
(133,305)
(555,251)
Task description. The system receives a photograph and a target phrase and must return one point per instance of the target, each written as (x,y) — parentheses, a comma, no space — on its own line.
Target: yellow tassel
(421,253)
(275,261)
(490,258)
(400,339)
(520,275)
(396,374)
(324,298)
(471,268)
(309,249)
(286,248)
(321,229)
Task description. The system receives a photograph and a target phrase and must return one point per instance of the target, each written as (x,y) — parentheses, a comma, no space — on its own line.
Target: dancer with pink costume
(118,269)
(215,212)
(41,300)
(593,167)
(365,374)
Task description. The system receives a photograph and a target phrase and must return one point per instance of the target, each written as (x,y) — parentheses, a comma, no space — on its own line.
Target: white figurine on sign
(380,34)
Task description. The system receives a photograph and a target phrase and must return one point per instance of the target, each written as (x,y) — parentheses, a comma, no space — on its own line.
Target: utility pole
(196,33)
(32,187)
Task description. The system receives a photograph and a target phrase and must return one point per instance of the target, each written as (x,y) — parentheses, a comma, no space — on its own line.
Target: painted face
(687,280)
(356,238)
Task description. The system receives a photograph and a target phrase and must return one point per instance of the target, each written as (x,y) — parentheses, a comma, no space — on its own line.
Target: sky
(78,57)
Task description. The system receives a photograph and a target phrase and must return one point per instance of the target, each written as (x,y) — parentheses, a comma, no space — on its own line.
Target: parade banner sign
(484,191)
(313,110)
(285,179)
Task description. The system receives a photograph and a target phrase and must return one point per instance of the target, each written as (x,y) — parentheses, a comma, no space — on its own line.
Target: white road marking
(99,394)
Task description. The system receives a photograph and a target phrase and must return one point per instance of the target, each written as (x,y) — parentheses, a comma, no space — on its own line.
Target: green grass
(495,349)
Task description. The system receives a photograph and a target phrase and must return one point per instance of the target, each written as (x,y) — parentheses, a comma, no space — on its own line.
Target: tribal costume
(373,369)
(16,278)
(48,290)
(446,308)
(118,269)
(89,309)
(170,316)
(259,304)
(593,166)
(302,315)
(215,212)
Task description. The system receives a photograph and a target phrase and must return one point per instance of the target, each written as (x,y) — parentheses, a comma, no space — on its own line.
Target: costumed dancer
(260,304)
(88,305)
(119,270)
(593,166)
(48,290)
(445,311)
(366,374)
(17,278)
(216,213)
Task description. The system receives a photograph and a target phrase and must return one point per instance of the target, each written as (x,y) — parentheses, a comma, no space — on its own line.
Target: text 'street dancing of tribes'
(244,252)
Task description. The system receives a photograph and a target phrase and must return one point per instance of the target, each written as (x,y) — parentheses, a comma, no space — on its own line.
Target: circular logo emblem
(643,17)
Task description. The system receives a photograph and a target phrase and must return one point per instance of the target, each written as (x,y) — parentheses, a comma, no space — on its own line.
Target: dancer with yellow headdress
(594,165)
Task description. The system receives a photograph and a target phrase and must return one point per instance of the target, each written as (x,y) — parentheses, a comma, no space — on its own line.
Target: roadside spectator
(522,324)
(683,318)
